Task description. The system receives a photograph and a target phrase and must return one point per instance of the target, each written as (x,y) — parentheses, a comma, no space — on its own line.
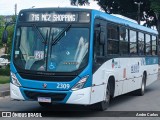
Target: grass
(4,79)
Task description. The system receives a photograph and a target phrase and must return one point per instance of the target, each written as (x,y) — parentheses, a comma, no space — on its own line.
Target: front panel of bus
(50,58)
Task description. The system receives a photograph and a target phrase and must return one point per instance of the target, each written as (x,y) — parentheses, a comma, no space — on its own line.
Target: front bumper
(81,96)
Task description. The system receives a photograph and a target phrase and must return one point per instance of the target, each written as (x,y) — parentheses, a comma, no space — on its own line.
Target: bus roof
(98,14)
(56,9)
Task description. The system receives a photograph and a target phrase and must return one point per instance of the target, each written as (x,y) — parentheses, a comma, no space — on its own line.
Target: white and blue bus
(80,56)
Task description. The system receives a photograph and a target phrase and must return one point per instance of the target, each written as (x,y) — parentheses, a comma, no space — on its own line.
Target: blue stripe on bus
(151,60)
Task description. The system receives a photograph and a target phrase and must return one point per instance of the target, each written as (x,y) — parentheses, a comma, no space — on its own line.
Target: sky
(7,7)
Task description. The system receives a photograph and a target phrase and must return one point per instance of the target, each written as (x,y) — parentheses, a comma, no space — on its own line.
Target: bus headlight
(15,80)
(81,83)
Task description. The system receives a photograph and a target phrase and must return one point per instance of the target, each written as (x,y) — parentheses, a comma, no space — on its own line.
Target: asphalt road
(149,102)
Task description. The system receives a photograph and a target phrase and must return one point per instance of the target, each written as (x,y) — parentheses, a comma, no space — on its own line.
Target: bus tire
(141,91)
(102,106)
(43,104)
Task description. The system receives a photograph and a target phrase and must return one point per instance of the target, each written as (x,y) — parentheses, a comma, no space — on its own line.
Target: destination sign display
(55,17)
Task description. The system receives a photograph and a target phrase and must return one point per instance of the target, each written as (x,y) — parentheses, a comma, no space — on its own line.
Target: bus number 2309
(63,86)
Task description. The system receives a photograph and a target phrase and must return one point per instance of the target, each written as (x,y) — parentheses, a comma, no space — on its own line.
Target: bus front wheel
(102,106)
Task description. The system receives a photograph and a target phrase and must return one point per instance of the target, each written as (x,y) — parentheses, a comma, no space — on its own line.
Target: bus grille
(47,77)
(54,96)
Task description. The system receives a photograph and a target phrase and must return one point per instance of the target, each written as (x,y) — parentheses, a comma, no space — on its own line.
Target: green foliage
(155,5)
(10,30)
(5,71)
(14,18)
(127,8)
(4,79)
(2,23)
(80,2)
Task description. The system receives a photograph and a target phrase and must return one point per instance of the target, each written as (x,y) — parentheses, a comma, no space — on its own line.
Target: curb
(4,93)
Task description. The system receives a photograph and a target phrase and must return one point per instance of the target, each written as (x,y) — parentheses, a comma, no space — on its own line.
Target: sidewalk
(4,90)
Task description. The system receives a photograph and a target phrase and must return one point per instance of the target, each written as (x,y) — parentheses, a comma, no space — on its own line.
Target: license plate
(44,99)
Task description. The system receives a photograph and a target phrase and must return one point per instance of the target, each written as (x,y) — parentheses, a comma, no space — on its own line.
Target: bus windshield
(52,49)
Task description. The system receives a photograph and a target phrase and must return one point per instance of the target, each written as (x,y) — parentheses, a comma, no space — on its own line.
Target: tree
(2,24)
(10,30)
(73,2)
(155,6)
(128,8)
(79,2)
(124,7)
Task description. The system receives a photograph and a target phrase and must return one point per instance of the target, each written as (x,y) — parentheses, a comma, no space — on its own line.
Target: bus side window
(148,44)
(98,48)
(133,42)
(124,41)
(141,43)
(154,45)
(112,39)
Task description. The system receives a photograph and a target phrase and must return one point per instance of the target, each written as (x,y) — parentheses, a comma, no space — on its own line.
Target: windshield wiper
(60,35)
(40,35)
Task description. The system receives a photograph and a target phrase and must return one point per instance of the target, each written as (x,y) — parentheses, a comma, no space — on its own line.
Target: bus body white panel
(15,92)
(127,72)
(81,97)
(97,93)
(101,75)
(118,88)
(152,74)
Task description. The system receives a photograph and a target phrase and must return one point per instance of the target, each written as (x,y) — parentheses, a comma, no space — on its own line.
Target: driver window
(98,48)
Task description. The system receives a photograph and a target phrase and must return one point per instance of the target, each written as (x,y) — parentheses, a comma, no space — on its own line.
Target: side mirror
(102,38)
(5,36)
